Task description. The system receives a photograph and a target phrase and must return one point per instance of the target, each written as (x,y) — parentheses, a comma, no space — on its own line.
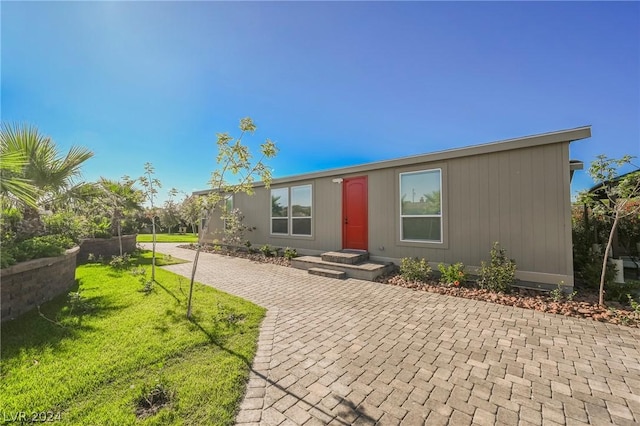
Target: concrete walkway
(357,352)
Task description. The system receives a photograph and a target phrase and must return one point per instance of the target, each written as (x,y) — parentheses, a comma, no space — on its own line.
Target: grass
(168,238)
(112,343)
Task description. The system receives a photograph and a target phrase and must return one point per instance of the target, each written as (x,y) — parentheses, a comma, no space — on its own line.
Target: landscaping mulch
(583,305)
(240,252)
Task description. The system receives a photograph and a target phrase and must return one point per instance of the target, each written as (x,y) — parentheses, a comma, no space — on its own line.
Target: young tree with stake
(151,185)
(615,202)
(235,164)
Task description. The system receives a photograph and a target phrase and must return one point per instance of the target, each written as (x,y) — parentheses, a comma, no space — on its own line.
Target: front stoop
(363,269)
(329,273)
(350,257)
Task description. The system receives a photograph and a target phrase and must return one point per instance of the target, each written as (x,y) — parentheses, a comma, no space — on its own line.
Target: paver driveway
(356,352)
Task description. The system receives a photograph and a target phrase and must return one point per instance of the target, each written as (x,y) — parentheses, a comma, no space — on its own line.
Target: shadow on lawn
(347,411)
(59,319)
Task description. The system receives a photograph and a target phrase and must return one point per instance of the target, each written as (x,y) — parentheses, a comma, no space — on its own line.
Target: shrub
(64,223)
(266,250)
(6,258)
(414,269)
(290,253)
(618,291)
(100,228)
(591,270)
(500,274)
(120,262)
(37,247)
(452,274)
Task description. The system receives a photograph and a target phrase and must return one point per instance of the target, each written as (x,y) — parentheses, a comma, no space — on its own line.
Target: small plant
(228,316)
(266,250)
(91,258)
(78,304)
(558,294)
(414,269)
(500,274)
(153,398)
(290,253)
(120,262)
(147,284)
(452,275)
(635,305)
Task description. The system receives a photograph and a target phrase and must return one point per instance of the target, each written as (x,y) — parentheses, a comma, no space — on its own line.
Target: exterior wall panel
(519,197)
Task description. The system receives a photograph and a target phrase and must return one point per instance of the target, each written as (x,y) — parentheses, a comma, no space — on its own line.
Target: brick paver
(356,352)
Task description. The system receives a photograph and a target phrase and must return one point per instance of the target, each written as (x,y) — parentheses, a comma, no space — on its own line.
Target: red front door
(355,214)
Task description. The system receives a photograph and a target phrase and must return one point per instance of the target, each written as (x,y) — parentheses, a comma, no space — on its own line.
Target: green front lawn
(114,342)
(168,238)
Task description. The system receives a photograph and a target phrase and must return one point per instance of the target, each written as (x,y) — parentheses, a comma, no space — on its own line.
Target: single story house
(448,206)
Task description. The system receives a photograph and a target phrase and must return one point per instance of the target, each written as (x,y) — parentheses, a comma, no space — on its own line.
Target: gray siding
(519,197)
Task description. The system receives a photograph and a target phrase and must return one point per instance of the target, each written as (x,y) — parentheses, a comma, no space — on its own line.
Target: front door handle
(346,221)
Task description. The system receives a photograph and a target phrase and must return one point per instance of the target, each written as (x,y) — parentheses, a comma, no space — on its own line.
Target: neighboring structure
(447,206)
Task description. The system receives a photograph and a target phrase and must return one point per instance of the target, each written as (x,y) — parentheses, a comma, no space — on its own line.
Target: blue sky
(334,84)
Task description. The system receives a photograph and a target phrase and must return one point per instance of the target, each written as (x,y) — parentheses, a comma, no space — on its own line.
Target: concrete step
(350,257)
(329,273)
(364,271)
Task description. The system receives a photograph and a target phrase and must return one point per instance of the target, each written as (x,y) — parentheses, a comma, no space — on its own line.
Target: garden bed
(583,305)
(242,252)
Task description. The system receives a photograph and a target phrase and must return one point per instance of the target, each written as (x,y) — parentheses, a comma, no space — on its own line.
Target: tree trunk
(606,258)
(193,277)
(120,237)
(153,252)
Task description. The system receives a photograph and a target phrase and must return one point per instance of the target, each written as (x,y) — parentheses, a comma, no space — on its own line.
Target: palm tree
(37,174)
(13,186)
(122,198)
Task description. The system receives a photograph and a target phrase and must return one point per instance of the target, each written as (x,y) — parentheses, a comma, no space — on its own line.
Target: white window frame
(441,215)
(271,217)
(290,218)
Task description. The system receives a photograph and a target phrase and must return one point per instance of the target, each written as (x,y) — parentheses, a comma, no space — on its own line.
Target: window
(291,210)
(421,206)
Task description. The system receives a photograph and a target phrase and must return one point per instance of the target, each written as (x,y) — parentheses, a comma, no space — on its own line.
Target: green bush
(64,223)
(618,292)
(35,248)
(452,274)
(120,262)
(100,227)
(414,269)
(6,258)
(266,250)
(500,274)
(290,253)
(590,272)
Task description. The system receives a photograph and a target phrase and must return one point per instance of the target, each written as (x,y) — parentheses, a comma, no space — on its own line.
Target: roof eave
(568,135)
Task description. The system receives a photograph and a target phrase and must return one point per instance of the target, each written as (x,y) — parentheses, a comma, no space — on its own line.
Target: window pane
(280,226)
(228,203)
(421,228)
(420,193)
(301,226)
(280,202)
(301,201)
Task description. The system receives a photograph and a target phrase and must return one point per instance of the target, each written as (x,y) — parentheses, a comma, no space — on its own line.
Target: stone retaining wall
(31,283)
(105,247)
